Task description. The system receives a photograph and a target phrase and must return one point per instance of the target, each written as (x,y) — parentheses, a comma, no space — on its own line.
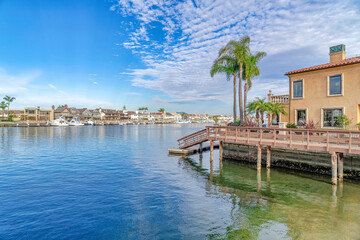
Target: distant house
(37,114)
(96,114)
(110,114)
(85,114)
(62,112)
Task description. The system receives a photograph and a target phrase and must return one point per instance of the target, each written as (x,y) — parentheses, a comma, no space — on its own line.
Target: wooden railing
(193,139)
(320,140)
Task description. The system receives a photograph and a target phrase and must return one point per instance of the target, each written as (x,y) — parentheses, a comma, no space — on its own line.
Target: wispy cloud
(193,32)
(133,93)
(52,86)
(16,84)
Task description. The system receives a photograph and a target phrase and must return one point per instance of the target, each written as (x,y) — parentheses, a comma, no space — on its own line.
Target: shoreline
(46,124)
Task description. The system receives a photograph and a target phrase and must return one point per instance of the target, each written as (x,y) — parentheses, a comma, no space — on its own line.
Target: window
(298,89)
(335,85)
(31,111)
(331,117)
(301,117)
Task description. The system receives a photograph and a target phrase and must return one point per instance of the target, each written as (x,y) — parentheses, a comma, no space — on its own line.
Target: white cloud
(193,33)
(16,84)
(52,86)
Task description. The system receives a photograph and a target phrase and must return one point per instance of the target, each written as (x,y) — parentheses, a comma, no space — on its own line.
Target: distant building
(37,114)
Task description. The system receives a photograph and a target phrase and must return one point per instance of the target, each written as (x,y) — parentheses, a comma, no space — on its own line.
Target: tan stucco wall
(284,118)
(315,93)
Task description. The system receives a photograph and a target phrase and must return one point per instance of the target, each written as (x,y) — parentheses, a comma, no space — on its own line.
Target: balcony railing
(279,99)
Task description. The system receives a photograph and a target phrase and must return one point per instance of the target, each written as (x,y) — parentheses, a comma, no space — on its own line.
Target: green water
(279,204)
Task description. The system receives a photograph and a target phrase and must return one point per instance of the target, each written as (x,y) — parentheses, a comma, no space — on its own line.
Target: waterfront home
(110,114)
(62,111)
(324,92)
(38,114)
(85,114)
(96,114)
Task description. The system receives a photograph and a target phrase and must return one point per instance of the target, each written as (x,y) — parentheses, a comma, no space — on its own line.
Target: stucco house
(324,92)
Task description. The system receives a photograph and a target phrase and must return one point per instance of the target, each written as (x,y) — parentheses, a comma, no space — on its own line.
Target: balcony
(283,99)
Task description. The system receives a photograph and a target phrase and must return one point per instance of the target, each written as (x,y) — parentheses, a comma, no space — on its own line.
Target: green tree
(240,50)
(124,108)
(274,109)
(258,106)
(251,70)
(226,64)
(3,107)
(162,110)
(9,100)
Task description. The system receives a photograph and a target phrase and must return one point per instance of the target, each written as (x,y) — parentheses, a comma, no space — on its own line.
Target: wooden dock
(191,151)
(336,142)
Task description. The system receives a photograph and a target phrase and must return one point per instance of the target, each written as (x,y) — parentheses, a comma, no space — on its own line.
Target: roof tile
(327,65)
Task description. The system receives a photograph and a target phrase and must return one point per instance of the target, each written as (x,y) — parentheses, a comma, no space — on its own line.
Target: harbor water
(119,182)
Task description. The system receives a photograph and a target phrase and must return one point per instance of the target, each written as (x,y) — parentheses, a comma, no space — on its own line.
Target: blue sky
(154,53)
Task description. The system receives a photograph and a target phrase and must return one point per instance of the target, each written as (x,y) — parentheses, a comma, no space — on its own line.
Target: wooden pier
(336,142)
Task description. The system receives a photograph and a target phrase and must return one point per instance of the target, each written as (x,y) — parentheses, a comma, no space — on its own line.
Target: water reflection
(292,206)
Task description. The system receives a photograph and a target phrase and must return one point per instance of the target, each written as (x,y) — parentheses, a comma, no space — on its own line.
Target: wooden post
(268,156)
(258,157)
(341,167)
(258,177)
(334,168)
(200,148)
(211,150)
(221,148)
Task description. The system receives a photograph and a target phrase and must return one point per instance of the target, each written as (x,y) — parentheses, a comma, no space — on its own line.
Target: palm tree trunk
(8,110)
(245,97)
(234,97)
(270,117)
(262,118)
(241,107)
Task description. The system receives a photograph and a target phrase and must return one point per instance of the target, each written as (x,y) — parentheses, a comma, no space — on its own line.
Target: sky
(158,53)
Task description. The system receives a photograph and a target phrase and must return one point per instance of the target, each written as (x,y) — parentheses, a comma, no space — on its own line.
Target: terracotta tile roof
(327,65)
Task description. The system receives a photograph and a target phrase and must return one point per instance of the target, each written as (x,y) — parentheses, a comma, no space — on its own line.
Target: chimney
(53,107)
(337,53)
(66,106)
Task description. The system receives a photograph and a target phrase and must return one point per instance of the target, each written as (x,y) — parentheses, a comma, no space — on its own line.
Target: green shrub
(343,121)
(237,123)
(291,125)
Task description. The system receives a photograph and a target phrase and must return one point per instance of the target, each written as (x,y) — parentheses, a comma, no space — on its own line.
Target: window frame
(330,108)
(292,89)
(296,114)
(342,85)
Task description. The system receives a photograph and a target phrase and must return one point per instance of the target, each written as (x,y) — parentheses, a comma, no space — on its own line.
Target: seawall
(309,161)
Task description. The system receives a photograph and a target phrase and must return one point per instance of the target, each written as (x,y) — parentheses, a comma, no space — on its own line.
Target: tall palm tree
(251,70)
(162,110)
(274,109)
(239,49)
(9,99)
(3,107)
(260,107)
(226,64)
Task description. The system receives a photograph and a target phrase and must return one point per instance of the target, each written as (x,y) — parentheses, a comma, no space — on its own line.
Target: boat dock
(335,142)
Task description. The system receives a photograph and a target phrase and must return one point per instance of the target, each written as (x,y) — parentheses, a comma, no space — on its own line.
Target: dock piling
(258,157)
(211,150)
(268,156)
(334,168)
(341,167)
